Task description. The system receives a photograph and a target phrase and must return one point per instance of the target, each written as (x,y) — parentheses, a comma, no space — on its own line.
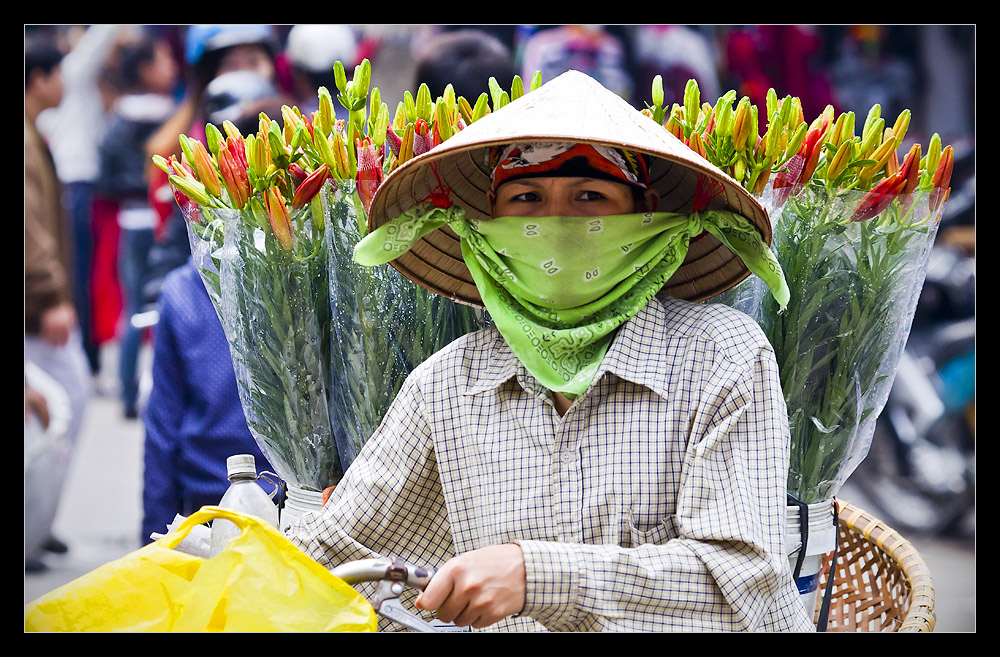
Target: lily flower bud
(879,198)
(657,91)
(341,157)
(234,177)
(910,169)
(214,138)
(406,145)
(369,175)
(692,102)
(205,167)
(795,142)
(516,88)
(482,107)
(231,130)
(465,109)
(340,76)
(696,144)
(942,179)
(259,213)
(309,187)
(424,104)
(281,222)
(536,80)
(840,160)
(192,189)
(930,163)
(442,122)
(742,124)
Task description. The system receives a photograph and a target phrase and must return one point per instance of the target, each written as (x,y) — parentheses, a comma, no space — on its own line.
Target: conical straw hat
(571,108)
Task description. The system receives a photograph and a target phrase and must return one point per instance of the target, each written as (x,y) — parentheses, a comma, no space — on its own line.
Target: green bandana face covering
(558,287)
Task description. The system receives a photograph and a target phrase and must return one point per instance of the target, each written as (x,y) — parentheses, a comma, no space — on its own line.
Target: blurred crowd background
(103,99)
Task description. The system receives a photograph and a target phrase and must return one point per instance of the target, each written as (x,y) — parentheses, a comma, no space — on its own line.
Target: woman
(600,459)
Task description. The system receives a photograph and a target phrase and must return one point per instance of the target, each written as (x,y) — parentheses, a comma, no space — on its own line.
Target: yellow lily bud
(406,148)
(191,188)
(795,141)
(872,136)
(901,125)
(443,120)
(231,129)
(741,125)
(536,80)
(839,162)
(341,157)
(465,109)
(881,157)
(161,162)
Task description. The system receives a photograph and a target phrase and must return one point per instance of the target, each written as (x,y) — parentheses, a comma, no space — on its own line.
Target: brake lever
(392,576)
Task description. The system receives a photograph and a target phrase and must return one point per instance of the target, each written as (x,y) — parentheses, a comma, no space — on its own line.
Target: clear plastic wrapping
(275,309)
(383,327)
(854,287)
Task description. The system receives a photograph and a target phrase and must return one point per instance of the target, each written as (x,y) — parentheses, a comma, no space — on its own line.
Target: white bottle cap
(241,464)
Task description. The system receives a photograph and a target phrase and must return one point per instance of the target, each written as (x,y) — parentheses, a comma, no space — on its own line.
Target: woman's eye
(590,196)
(526,197)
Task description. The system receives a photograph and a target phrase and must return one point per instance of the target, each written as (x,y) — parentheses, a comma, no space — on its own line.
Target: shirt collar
(637,354)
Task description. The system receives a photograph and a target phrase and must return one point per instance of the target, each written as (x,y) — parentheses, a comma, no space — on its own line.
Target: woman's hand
(477,588)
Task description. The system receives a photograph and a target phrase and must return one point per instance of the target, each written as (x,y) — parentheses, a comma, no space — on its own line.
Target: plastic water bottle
(245,496)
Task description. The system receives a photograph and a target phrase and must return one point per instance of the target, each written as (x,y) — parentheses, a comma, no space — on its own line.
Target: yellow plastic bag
(261,582)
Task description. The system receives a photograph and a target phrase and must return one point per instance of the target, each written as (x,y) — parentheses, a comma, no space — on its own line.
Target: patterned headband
(533,159)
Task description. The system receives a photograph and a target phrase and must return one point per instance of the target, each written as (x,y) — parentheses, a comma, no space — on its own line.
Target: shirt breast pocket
(656,534)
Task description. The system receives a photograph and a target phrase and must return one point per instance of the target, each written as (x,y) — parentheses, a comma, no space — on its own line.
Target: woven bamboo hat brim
(571,108)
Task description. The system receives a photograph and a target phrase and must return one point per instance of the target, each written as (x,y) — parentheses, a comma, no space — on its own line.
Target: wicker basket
(881,583)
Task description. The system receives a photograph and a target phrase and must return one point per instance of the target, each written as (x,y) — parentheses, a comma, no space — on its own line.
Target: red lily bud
(238,148)
(394,140)
(879,197)
(310,186)
(281,222)
(369,172)
(297,171)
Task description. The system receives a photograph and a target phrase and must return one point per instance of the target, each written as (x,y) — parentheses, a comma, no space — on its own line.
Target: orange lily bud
(205,167)
(281,222)
(234,177)
(910,169)
(942,178)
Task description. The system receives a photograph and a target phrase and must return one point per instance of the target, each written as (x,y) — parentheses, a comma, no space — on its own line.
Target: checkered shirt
(655,504)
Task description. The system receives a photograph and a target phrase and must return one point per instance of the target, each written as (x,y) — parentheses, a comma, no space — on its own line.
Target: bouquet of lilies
(853,228)
(257,224)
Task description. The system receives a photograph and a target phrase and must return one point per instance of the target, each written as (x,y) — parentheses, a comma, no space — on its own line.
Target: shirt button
(568,457)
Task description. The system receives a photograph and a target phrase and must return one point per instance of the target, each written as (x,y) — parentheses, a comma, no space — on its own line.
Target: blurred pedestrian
(146,77)
(51,334)
(73,130)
